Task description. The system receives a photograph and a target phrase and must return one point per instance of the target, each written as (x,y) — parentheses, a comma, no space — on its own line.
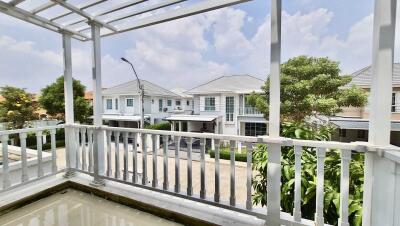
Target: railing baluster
(249,149)
(126,170)
(297,184)
(24,158)
(344,187)
(6,170)
(109,158)
(53,151)
(319,214)
(177,163)
(144,158)
(189,167)
(134,158)
(154,149)
(217,195)
(90,140)
(77,153)
(202,168)
(232,200)
(83,147)
(39,135)
(116,154)
(165,155)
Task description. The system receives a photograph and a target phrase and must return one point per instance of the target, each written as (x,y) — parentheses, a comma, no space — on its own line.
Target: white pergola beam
(145,10)
(195,9)
(81,7)
(379,186)
(43,7)
(16,2)
(83,13)
(37,20)
(107,11)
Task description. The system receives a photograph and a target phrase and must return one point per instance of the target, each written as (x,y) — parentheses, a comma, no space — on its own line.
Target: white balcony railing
(134,168)
(249,111)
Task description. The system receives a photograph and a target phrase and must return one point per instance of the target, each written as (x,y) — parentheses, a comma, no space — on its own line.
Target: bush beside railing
(226,154)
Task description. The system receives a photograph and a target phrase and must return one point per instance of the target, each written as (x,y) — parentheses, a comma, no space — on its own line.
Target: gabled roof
(181,92)
(363,77)
(131,88)
(230,84)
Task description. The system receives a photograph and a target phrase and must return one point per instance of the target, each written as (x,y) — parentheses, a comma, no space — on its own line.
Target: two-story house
(220,107)
(122,105)
(353,122)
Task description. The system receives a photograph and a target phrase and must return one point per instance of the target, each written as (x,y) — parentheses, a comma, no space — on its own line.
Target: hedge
(160,126)
(225,154)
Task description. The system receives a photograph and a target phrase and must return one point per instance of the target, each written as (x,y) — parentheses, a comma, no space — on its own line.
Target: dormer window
(129,102)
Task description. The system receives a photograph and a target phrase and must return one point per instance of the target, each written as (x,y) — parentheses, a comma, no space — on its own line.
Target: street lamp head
(123,59)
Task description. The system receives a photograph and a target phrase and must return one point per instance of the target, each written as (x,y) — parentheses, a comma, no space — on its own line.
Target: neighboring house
(42,112)
(220,107)
(122,104)
(353,122)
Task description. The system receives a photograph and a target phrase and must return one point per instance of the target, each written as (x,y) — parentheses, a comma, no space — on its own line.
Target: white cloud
(187,52)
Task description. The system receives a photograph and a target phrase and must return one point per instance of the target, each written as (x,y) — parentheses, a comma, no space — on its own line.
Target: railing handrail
(354,146)
(29,130)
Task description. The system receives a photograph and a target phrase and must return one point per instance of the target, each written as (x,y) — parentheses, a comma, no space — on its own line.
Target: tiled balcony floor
(71,207)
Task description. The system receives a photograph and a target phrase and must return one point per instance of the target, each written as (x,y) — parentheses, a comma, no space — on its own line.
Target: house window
(109,104)
(178,103)
(209,104)
(342,132)
(129,102)
(169,103)
(229,108)
(393,102)
(116,104)
(160,105)
(361,134)
(255,129)
(188,103)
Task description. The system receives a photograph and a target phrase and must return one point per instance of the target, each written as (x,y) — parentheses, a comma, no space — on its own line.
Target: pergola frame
(380,181)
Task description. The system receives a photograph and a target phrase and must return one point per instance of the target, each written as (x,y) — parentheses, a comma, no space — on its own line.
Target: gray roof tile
(363,76)
(131,88)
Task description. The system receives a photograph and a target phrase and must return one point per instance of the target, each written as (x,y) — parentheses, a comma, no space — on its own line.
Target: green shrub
(224,153)
(309,177)
(160,126)
(47,146)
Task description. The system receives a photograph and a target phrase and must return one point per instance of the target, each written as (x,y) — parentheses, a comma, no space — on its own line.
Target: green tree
(52,99)
(18,107)
(311,86)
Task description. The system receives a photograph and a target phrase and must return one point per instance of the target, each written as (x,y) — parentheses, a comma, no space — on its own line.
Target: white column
(69,101)
(379,186)
(274,165)
(98,144)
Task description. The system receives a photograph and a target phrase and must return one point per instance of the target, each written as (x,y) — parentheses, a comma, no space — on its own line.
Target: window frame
(128,100)
(178,103)
(160,105)
(109,104)
(211,104)
(116,103)
(169,103)
(229,110)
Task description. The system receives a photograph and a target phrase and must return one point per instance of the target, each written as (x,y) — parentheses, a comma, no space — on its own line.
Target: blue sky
(187,52)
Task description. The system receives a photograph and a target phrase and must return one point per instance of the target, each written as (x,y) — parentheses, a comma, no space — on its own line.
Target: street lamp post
(141,93)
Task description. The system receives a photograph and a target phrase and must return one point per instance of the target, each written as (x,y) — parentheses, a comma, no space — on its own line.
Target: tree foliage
(52,99)
(311,86)
(18,107)
(309,178)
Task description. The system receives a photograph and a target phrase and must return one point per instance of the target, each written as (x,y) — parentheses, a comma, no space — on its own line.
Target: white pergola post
(98,144)
(69,103)
(274,150)
(379,185)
